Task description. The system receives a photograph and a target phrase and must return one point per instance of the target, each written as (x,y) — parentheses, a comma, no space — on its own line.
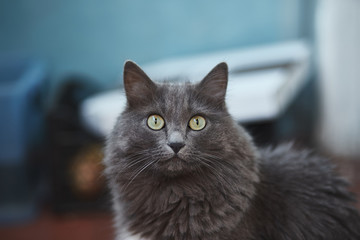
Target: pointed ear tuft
(213,86)
(138,86)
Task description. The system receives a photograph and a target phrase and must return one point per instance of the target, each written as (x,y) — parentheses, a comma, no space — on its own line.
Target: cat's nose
(176,146)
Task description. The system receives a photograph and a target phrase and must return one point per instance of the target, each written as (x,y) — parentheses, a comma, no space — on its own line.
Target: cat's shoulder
(301,171)
(286,159)
(303,192)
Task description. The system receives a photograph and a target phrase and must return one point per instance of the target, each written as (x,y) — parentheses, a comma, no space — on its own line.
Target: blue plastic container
(20,82)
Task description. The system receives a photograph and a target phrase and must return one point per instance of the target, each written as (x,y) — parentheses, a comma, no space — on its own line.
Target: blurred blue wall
(95,37)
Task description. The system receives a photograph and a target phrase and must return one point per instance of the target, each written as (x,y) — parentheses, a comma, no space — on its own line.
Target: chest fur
(182,212)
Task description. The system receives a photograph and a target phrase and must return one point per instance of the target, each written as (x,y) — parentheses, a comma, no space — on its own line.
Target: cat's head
(174,129)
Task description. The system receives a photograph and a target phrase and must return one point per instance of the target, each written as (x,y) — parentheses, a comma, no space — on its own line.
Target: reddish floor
(49,226)
(70,227)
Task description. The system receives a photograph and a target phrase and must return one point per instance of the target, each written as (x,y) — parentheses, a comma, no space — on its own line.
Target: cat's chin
(174,166)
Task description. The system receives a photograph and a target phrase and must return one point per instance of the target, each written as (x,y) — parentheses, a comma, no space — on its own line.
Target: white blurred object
(262,82)
(338,42)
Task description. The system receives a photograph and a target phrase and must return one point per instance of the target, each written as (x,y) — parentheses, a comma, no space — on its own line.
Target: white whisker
(137,174)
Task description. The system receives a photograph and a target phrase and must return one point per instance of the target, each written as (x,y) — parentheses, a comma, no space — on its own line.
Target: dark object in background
(295,125)
(75,154)
(21,82)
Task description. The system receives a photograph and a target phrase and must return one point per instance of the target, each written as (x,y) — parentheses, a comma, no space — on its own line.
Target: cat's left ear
(213,86)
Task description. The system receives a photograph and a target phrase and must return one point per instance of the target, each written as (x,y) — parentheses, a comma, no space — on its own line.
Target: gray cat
(180,168)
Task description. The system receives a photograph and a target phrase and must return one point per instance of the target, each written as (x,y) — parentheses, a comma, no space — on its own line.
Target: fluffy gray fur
(219,186)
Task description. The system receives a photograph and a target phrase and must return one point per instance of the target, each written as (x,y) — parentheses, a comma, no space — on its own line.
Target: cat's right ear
(138,86)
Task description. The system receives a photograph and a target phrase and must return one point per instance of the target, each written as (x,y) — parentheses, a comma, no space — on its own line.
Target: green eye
(155,122)
(197,123)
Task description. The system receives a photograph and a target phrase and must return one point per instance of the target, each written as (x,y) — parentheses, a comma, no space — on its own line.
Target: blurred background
(294,75)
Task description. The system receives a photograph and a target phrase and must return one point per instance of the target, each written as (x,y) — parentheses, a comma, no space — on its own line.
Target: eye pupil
(197,121)
(155,120)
